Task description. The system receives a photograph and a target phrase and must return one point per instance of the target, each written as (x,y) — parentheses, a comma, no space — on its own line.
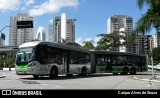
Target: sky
(91,15)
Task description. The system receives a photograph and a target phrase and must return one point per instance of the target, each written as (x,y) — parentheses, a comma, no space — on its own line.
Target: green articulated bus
(39,58)
(118,62)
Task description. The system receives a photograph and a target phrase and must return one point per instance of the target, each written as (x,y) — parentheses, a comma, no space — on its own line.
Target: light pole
(153,76)
(4,28)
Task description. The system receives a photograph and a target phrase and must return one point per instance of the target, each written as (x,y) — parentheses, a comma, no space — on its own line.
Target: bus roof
(29,44)
(116,53)
(52,44)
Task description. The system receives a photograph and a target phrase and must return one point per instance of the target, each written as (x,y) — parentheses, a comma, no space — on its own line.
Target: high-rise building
(70,33)
(2,39)
(143,44)
(116,22)
(55,31)
(121,23)
(156,41)
(20,31)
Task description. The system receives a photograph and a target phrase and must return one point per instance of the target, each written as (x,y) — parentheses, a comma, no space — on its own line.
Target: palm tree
(151,18)
(112,41)
(88,44)
(63,41)
(102,44)
(109,41)
(129,40)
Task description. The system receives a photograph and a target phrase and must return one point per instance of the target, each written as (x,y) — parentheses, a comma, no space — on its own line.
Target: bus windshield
(24,55)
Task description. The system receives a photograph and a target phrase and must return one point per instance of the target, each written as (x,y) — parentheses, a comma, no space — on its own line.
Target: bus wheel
(54,73)
(125,71)
(36,76)
(133,71)
(83,71)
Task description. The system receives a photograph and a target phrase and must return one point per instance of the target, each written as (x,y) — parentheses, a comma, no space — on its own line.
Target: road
(96,81)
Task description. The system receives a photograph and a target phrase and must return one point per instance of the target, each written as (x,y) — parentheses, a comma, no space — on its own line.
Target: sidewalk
(147,78)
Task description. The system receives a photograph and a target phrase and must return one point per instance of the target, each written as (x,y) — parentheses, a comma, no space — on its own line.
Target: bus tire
(54,72)
(83,73)
(36,76)
(133,71)
(125,70)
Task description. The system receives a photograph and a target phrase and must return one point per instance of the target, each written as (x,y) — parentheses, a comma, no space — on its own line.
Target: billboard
(24,24)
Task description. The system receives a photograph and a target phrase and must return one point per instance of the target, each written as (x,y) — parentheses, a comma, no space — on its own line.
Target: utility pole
(4,28)
(153,76)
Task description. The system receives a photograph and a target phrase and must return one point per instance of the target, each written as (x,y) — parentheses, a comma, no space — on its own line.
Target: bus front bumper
(23,71)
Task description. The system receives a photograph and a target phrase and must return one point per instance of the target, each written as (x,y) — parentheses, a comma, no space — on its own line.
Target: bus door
(66,62)
(109,63)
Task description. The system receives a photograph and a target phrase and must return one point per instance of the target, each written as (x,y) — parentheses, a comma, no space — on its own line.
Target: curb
(146,79)
(2,75)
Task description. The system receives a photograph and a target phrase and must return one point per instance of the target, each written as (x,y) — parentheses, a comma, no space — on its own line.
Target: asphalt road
(96,81)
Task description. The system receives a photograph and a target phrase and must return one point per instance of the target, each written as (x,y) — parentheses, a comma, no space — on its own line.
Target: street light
(153,76)
(4,28)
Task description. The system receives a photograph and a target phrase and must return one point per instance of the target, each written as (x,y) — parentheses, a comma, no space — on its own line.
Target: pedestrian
(9,68)
(150,83)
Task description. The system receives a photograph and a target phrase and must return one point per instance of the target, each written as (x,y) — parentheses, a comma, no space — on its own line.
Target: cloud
(51,21)
(79,40)
(9,4)
(29,2)
(95,40)
(52,6)
(88,39)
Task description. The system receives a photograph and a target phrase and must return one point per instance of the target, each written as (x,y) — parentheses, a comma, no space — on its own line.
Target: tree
(151,18)
(113,41)
(156,55)
(102,44)
(63,41)
(8,60)
(129,40)
(109,41)
(88,44)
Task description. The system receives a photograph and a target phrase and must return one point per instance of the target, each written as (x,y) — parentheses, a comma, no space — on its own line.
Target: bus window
(119,60)
(114,61)
(54,55)
(100,61)
(79,58)
(41,54)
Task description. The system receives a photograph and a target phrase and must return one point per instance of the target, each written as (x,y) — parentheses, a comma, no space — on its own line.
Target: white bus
(47,58)
(52,59)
